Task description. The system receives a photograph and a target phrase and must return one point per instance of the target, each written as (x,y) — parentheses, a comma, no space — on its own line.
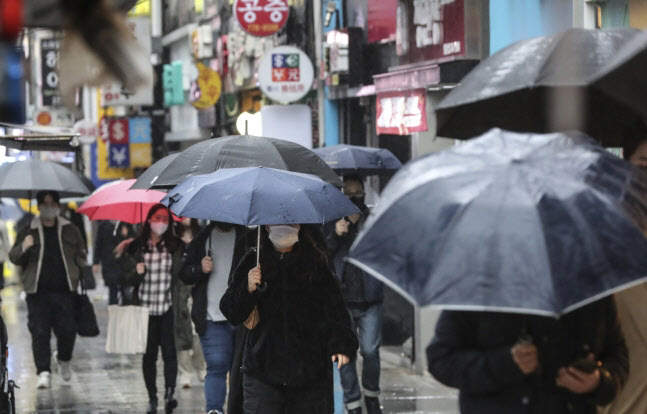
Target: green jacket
(72,248)
(179,291)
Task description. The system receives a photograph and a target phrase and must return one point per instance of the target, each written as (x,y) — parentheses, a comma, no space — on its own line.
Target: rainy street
(104,383)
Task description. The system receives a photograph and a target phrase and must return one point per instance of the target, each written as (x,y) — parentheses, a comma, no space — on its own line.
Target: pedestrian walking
(110,234)
(5,246)
(211,258)
(51,253)
(298,322)
(632,306)
(509,363)
(151,263)
(190,361)
(363,295)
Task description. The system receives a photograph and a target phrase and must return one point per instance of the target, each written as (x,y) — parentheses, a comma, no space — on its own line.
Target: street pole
(318,29)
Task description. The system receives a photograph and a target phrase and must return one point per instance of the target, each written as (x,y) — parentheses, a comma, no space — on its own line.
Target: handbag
(86,320)
(89,282)
(127,329)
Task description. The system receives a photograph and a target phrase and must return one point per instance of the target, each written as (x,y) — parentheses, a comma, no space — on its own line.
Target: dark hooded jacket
(471,352)
(303,318)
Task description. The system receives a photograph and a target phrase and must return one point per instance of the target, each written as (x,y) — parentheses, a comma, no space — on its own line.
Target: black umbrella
(148,177)
(241,151)
(353,159)
(510,222)
(23,179)
(546,84)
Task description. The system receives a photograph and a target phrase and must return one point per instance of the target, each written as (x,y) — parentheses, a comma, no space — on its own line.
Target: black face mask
(359,202)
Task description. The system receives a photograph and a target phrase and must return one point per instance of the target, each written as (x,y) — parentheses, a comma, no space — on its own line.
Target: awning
(39,138)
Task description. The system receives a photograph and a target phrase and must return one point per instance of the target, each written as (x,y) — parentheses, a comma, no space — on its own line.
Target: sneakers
(214,412)
(64,368)
(185,380)
(43,380)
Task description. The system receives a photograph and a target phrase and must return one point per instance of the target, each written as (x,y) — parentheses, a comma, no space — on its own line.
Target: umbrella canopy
(243,151)
(114,201)
(257,195)
(148,177)
(23,179)
(510,222)
(546,84)
(353,159)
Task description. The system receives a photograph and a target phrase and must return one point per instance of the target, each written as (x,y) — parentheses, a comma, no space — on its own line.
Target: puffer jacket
(303,320)
(471,352)
(72,249)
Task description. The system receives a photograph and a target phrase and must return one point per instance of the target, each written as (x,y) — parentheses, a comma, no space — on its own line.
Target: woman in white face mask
(151,262)
(298,322)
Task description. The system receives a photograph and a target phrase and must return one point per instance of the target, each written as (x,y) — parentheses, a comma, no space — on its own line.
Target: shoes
(372,405)
(185,380)
(357,410)
(152,407)
(170,403)
(44,380)
(64,370)
(213,412)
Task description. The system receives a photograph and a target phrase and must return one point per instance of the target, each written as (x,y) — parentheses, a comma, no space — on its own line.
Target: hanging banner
(285,74)
(262,17)
(114,94)
(206,89)
(401,112)
(49,52)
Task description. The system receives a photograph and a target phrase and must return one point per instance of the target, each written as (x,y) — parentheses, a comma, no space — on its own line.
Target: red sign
(118,131)
(381,20)
(430,30)
(262,17)
(401,112)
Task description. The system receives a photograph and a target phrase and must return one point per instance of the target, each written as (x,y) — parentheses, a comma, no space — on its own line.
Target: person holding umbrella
(151,262)
(51,253)
(363,294)
(293,306)
(109,234)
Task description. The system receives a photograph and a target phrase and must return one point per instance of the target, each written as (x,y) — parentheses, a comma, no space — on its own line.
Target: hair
(169,237)
(356,178)
(40,196)
(193,225)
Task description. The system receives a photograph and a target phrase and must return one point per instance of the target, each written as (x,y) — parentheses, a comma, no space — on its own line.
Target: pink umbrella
(115,201)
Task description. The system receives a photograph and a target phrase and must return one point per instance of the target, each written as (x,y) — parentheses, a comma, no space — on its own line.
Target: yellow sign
(142,8)
(140,155)
(104,172)
(209,88)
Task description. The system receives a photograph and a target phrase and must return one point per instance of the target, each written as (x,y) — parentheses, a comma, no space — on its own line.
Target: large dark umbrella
(353,159)
(23,179)
(510,222)
(545,84)
(244,151)
(148,177)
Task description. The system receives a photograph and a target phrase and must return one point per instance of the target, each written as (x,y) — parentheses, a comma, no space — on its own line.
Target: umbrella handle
(262,286)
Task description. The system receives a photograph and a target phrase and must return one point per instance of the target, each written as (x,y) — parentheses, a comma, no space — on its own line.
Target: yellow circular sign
(207,88)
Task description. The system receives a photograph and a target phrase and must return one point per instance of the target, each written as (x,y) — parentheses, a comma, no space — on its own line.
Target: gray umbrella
(23,179)
(148,177)
(552,83)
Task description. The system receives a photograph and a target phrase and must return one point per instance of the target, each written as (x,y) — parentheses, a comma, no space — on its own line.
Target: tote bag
(127,329)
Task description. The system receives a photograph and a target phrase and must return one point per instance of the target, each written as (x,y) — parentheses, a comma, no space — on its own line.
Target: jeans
(161,333)
(367,322)
(218,348)
(47,312)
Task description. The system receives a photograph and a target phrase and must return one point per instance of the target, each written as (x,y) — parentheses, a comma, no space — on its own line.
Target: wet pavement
(103,383)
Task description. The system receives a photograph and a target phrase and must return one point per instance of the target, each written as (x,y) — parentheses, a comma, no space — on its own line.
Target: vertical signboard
(49,52)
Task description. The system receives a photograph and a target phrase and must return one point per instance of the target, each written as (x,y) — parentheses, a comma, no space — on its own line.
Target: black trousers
(161,334)
(47,312)
(262,398)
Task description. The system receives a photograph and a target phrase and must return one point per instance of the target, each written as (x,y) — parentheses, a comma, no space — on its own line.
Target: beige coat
(632,311)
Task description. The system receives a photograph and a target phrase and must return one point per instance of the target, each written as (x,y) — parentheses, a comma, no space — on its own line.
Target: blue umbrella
(353,159)
(511,222)
(257,195)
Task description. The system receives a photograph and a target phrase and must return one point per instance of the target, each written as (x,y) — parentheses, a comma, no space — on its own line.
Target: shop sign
(206,89)
(429,30)
(49,53)
(262,17)
(115,94)
(381,24)
(285,74)
(401,112)
(129,141)
(88,131)
(59,117)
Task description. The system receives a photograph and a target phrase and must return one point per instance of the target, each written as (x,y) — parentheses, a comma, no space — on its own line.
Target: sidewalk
(104,383)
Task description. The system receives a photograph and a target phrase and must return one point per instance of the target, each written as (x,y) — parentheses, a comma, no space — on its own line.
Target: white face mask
(49,213)
(283,237)
(159,228)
